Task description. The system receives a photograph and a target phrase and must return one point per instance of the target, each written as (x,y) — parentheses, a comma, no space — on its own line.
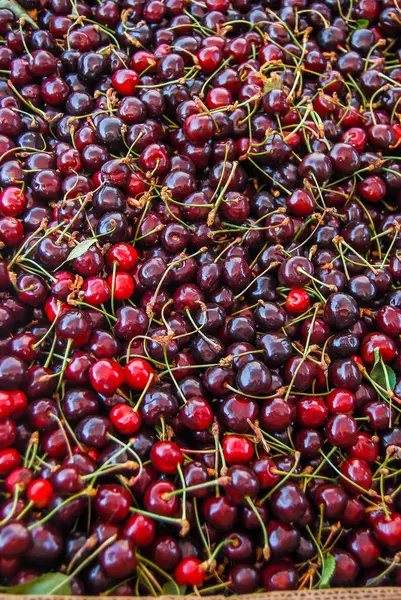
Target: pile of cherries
(200,294)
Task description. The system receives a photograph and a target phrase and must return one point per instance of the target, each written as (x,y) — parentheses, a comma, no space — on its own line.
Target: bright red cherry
(12,201)
(237,449)
(121,285)
(10,459)
(312,412)
(340,401)
(6,404)
(124,255)
(125,419)
(125,81)
(357,471)
(40,492)
(189,572)
(165,457)
(106,376)
(137,373)
(20,403)
(297,302)
(141,530)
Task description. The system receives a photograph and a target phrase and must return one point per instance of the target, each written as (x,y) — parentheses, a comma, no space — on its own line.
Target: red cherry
(218,97)
(20,403)
(124,255)
(6,404)
(209,58)
(54,308)
(106,376)
(372,188)
(157,500)
(366,447)
(377,341)
(196,414)
(10,459)
(300,203)
(358,471)
(121,284)
(388,530)
(125,419)
(165,457)
(340,401)
(125,81)
(189,572)
(137,373)
(12,201)
(40,492)
(237,449)
(141,530)
(21,477)
(297,302)
(95,291)
(143,59)
(312,412)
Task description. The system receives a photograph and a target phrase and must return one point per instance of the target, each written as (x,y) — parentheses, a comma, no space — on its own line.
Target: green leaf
(80,249)
(361,24)
(382,374)
(170,588)
(328,569)
(43,585)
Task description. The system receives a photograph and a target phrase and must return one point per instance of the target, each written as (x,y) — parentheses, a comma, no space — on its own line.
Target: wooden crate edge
(383,593)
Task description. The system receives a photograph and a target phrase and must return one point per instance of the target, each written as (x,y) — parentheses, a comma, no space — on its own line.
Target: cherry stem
(86,492)
(297,457)
(266,547)
(13,507)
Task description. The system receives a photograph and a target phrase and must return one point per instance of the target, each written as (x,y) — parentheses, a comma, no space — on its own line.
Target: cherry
(125,419)
(387,530)
(346,569)
(156,499)
(124,255)
(237,449)
(332,498)
(15,539)
(366,448)
(141,530)
(189,572)
(357,471)
(112,502)
(106,376)
(119,560)
(125,81)
(243,484)
(312,412)
(297,302)
(280,576)
(196,414)
(10,459)
(340,401)
(288,502)
(166,457)
(138,373)
(220,512)
(377,341)
(363,545)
